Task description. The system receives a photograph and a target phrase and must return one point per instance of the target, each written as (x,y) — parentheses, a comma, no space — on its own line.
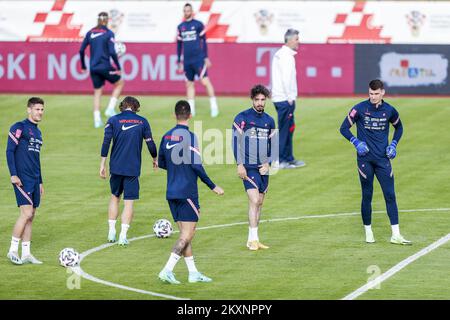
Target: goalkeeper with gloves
(372,118)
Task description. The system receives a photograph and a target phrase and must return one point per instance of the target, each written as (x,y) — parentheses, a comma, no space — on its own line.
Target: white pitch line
(397,268)
(87,276)
(90,277)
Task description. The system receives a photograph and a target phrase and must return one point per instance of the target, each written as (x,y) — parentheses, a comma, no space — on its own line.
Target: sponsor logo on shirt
(34,145)
(174,138)
(170,146)
(129,127)
(375,123)
(95,35)
(130,121)
(189,35)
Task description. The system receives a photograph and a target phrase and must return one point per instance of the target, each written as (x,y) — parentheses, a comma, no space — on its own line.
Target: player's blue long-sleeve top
(23,151)
(101,43)
(127,130)
(253,135)
(372,125)
(191,41)
(179,155)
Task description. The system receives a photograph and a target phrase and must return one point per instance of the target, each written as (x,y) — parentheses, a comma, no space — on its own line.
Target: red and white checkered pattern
(357,27)
(57,25)
(215,31)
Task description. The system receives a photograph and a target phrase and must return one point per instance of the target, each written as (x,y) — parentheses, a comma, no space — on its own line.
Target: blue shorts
(197,68)
(99,76)
(256,181)
(28,194)
(184,209)
(129,186)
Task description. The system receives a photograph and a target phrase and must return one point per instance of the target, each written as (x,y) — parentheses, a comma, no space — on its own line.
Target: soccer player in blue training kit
(255,144)
(372,118)
(127,130)
(101,42)
(191,40)
(23,157)
(179,155)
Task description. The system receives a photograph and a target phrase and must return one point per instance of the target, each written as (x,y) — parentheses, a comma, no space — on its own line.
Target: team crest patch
(18,133)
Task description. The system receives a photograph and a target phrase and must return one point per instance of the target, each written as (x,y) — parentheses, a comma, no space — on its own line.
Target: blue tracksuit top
(179,155)
(23,151)
(101,43)
(252,138)
(127,130)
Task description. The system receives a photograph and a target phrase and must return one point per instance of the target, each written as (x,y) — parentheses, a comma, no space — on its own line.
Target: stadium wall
(344,44)
(150,68)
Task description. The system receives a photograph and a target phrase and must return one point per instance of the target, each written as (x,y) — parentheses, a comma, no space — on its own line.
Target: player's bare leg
(212,98)
(27,257)
(113,213)
(27,231)
(190,93)
(26,213)
(118,87)
(97,100)
(187,230)
(253,218)
(127,216)
(261,201)
(194,274)
(188,251)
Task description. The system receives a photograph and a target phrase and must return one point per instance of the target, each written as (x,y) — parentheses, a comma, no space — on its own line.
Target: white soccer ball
(162,228)
(120,48)
(68,257)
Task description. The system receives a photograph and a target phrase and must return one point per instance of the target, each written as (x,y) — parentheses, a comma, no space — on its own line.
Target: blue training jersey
(191,40)
(372,125)
(253,133)
(180,156)
(23,151)
(101,43)
(127,130)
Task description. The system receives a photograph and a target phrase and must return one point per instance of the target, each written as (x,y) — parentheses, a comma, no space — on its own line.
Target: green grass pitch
(314,258)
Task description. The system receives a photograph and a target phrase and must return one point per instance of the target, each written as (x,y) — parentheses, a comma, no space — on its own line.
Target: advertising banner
(404,69)
(151,68)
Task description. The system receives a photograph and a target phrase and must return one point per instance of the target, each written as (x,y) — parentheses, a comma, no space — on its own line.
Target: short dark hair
(182,110)
(102,19)
(289,34)
(130,102)
(376,84)
(187,5)
(34,100)
(259,89)
(103,15)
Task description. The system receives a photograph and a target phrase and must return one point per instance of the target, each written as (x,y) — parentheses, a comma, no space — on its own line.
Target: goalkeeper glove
(361,146)
(391,150)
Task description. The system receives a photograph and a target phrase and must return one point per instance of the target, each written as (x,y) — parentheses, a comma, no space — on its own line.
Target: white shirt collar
(291,51)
